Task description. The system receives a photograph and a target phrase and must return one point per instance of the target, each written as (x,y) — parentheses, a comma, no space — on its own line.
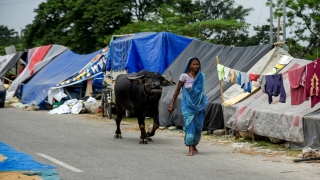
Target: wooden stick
(67,92)
(220,82)
(278,30)
(9,80)
(89,87)
(221,93)
(280,43)
(306,159)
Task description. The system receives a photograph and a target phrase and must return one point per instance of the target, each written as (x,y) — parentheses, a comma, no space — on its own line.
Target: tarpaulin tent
(241,58)
(7,62)
(91,70)
(59,69)
(276,120)
(37,58)
(153,51)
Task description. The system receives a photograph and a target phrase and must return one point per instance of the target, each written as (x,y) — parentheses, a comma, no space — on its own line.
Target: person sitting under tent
(10,74)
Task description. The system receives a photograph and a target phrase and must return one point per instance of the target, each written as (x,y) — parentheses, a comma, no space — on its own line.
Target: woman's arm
(174,97)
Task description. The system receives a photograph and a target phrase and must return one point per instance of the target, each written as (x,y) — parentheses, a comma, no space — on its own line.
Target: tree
(225,10)
(8,37)
(142,8)
(87,25)
(261,37)
(304,24)
(79,25)
(186,18)
(6,34)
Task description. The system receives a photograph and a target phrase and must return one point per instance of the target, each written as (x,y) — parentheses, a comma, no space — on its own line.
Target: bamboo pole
(67,92)
(221,93)
(280,43)
(89,88)
(278,36)
(278,31)
(220,82)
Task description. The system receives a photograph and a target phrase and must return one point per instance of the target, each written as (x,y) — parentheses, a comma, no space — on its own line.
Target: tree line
(85,26)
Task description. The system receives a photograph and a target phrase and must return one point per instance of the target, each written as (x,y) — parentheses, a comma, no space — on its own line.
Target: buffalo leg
(143,136)
(120,113)
(155,126)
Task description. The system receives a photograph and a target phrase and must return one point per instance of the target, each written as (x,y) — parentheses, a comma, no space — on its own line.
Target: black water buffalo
(139,92)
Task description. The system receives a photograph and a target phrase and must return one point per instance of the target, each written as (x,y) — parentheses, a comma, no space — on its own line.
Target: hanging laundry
(312,82)
(245,82)
(297,82)
(226,74)
(238,77)
(233,77)
(220,69)
(274,87)
(237,73)
(262,82)
(254,77)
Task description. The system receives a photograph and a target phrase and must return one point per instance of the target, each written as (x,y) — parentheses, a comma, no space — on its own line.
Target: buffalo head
(152,81)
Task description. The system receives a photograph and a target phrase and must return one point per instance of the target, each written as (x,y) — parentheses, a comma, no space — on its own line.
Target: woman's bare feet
(195,149)
(191,150)
(190,154)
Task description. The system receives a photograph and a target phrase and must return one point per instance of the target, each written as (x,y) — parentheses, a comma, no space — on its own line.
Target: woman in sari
(193,103)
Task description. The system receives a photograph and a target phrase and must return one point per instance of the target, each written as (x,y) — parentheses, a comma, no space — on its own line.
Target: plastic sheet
(151,51)
(18,161)
(311,130)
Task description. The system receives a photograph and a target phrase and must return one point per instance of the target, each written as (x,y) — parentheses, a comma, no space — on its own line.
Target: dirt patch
(94,117)
(17,176)
(2,158)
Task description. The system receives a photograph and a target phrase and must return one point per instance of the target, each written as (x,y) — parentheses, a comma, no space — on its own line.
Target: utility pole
(271,19)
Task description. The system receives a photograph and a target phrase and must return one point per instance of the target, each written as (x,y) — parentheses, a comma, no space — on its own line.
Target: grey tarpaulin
(311,130)
(240,58)
(6,66)
(27,73)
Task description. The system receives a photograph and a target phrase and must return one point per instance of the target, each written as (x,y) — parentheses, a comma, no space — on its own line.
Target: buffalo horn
(135,77)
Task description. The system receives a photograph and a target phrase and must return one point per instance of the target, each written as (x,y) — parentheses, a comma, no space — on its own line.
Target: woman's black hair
(187,69)
(192,59)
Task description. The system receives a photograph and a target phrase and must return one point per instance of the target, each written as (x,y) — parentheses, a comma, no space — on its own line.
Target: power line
(260,11)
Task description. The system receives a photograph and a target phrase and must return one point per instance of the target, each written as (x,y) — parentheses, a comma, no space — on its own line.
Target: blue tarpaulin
(151,51)
(59,69)
(17,161)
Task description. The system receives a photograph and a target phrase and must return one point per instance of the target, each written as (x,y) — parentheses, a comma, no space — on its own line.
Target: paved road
(84,149)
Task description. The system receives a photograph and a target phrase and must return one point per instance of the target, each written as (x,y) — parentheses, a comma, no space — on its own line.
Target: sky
(16,14)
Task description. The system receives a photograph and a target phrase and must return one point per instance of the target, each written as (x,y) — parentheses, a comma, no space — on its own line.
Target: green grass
(268,145)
